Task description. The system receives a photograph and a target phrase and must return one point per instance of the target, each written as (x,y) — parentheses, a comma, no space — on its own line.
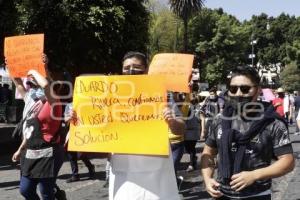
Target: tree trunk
(185,39)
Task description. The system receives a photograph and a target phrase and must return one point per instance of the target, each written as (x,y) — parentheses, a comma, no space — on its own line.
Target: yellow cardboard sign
(120,114)
(177,69)
(24,53)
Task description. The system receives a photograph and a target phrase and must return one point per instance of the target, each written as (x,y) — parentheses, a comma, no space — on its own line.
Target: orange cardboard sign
(24,53)
(177,69)
(120,114)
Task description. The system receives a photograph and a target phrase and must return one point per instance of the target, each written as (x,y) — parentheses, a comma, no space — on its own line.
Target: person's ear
(146,70)
(258,92)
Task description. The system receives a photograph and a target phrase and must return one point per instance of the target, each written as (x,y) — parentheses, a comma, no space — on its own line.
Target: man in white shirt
(144,177)
(287,107)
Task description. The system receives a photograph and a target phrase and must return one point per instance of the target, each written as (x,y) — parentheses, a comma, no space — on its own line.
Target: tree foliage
(8,21)
(290,77)
(185,9)
(221,42)
(273,36)
(93,35)
(221,45)
(293,52)
(86,35)
(164,30)
(293,47)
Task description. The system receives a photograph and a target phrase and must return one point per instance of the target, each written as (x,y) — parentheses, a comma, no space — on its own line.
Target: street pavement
(192,188)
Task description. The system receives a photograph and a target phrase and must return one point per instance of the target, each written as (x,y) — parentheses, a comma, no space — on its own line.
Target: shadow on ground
(11,185)
(192,186)
(84,176)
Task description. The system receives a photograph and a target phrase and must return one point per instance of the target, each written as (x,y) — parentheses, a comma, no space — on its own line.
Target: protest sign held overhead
(24,53)
(177,69)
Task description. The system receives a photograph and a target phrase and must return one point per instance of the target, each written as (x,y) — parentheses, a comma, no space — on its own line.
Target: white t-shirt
(286,104)
(143,177)
(140,177)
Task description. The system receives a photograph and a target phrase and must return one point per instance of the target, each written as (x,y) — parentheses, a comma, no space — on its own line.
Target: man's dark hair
(247,71)
(213,89)
(138,55)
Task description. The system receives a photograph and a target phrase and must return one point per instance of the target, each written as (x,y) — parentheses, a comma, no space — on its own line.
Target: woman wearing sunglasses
(246,137)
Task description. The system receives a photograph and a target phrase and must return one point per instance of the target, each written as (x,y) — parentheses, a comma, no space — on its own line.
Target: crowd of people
(241,136)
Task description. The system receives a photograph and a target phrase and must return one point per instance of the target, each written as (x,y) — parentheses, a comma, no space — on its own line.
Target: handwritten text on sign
(177,69)
(120,114)
(24,53)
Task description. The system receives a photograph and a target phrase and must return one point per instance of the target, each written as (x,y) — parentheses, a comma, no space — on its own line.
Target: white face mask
(37,93)
(213,97)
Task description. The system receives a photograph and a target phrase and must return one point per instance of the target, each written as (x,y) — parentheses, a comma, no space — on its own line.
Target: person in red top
(43,154)
(278,102)
(49,118)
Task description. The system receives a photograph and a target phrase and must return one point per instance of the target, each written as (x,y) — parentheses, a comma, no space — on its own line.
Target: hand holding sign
(177,69)
(169,115)
(23,53)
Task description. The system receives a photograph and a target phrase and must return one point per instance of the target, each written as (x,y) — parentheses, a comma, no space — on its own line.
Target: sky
(244,9)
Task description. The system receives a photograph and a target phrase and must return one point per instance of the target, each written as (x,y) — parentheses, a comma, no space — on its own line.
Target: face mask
(238,102)
(37,93)
(213,98)
(133,72)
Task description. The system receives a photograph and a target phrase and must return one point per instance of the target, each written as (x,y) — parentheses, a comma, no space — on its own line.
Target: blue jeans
(74,165)
(46,185)
(177,153)
(28,188)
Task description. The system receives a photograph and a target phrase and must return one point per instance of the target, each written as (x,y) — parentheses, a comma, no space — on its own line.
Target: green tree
(293,47)
(164,30)
(293,52)
(273,35)
(185,9)
(8,19)
(290,77)
(202,25)
(87,35)
(294,30)
(222,44)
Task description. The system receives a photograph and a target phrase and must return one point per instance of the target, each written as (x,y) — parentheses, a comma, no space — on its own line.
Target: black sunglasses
(244,88)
